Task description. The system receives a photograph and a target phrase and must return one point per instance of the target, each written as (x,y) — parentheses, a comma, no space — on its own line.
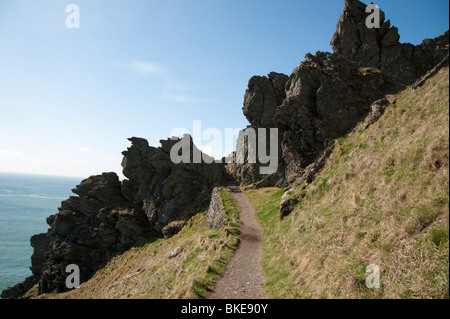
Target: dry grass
(382,199)
(203,255)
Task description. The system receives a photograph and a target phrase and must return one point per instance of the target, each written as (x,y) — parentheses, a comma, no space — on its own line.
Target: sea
(25,203)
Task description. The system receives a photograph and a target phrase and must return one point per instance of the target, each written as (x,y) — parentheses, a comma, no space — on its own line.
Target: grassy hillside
(191,274)
(382,199)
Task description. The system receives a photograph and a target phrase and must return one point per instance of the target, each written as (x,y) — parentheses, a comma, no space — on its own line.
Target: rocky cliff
(109,216)
(400,63)
(329,93)
(325,97)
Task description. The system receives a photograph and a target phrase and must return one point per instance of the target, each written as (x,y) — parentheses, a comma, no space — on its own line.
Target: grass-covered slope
(382,198)
(148,272)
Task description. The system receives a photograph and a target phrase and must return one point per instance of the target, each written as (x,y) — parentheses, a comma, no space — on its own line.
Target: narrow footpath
(243,277)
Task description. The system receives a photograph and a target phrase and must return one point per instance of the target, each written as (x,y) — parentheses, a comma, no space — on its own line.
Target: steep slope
(382,198)
(184,266)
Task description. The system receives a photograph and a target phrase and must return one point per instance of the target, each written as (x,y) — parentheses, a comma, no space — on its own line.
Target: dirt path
(243,277)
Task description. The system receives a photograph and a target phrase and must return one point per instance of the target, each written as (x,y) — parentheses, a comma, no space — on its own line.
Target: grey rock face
(262,97)
(86,229)
(326,96)
(109,215)
(216,213)
(40,244)
(246,171)
(167,191)
(401,63)
(377,110)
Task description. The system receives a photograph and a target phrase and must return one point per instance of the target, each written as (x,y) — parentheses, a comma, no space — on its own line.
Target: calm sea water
(25,203)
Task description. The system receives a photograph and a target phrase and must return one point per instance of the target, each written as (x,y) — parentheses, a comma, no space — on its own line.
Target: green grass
(439,235)
(267,206)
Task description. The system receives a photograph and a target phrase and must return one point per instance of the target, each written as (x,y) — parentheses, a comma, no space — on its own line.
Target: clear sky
(70,98)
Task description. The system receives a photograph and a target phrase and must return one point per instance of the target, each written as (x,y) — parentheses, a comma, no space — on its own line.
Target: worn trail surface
(243,277)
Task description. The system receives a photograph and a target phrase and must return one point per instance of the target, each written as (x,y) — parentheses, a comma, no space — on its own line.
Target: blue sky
(70,98)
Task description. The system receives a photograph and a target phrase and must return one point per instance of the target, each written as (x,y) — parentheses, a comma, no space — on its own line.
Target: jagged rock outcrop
(83,232)
(246,168)
(168,191)
(109,215)
(262,97)
(40,244)
(87,228)
(377,111)
(326,96)
(401,63)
